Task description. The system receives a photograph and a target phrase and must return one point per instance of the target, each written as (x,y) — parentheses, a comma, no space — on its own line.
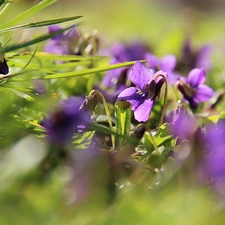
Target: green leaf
(27,13)
(31,42)
(90,71)
(222,115)
(123,121)
(213,119)
(163,136)
(82,141)
(100,128)
(147,141)
(40,23)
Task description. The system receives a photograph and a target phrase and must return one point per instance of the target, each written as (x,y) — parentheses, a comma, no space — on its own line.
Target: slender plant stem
(165,98)
(153,141)
(94,92)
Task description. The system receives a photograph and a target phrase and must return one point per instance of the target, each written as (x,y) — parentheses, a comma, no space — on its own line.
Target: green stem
(165,98)
(94,92)
(153,141)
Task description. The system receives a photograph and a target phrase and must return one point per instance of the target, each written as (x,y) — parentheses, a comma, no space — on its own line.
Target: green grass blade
(40,23)
(90,71)
(31,42)
(48,56)
(27,13)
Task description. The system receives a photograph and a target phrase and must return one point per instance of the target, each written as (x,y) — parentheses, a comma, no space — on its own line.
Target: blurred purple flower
(166,64)
(193,89)
(182,125)
(61,125)
(195,58)
(130,52)
(39,86)
(64,43)
(88,173)
(142,97)
(214,163)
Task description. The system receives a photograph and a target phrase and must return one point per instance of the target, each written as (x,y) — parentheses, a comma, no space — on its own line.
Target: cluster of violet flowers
(141,86)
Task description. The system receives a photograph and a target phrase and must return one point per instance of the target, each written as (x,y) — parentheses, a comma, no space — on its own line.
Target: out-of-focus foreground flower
(195,58)
(73,42)
(214,163)
(61,124)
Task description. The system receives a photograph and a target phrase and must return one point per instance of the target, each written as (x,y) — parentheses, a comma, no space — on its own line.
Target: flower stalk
(165,97)
(96,92)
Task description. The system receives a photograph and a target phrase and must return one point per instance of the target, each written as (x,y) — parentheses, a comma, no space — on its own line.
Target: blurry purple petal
(204,93)
(214,164)
(168,63)
(58,48)
(140,75)
(55,28)
(73,33)
(183,126)
(141,114)
(203,58)
(152,61)
(196,77)
(112,76)
(63,122)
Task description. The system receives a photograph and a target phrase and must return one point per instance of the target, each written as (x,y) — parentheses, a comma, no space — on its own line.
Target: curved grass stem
(96,92)
(165,98)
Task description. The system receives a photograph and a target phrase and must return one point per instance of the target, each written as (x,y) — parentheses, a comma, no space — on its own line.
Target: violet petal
(204,93)
(131,96)
(55,28)
(56,47)
(152,61)
(196,77)
(140,75)
(168,63)
(141,114)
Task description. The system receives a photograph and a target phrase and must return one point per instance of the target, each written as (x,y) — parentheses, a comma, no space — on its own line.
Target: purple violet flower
(61,124)
(142,97)
(193,89)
